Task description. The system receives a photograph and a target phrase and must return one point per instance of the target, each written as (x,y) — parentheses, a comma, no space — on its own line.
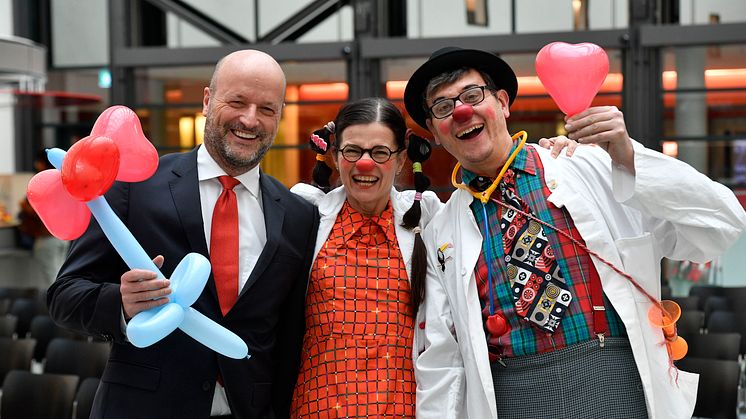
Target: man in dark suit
(171,214)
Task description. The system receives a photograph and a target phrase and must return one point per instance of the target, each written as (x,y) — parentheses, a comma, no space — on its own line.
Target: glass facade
(704,98)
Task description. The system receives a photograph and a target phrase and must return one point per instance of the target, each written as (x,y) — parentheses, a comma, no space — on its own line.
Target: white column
(7,134)
(690,118)
(7,101)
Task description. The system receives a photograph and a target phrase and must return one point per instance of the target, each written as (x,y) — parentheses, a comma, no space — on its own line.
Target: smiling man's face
(243,111)
(480,141)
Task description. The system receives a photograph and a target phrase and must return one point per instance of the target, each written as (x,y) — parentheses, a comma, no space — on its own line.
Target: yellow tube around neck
(484,196)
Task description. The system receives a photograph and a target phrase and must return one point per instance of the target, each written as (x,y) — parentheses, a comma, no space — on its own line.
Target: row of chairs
(24,310)
(41,328)
(733,294)
(13,293)
(46,396)
(713,322)
(65,388)
(717,394)
(715,357)
(63,356)
(716,297)
(71,363)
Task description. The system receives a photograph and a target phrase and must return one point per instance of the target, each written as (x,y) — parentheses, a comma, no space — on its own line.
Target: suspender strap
(600,325)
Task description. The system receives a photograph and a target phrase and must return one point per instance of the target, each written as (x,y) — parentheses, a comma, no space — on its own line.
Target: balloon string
(589,251)
(672,369)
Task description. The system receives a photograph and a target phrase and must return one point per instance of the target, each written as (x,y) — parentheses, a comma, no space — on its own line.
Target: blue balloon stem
(119,236)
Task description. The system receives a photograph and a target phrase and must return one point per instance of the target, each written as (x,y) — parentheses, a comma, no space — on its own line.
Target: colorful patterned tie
(224,244)
(539,291)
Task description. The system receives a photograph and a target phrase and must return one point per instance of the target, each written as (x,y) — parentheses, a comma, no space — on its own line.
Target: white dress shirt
(252,233)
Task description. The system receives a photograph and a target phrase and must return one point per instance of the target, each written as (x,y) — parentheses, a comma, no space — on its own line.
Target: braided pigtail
(320,143)
(418,151)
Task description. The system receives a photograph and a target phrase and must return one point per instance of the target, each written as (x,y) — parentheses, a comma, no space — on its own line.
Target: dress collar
(352,220)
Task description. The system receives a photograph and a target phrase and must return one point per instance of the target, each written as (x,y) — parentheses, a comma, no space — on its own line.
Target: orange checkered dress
(357,350)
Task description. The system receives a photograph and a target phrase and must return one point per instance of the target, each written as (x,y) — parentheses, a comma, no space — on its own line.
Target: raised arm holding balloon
(543,287)
(604,126)
(183,350)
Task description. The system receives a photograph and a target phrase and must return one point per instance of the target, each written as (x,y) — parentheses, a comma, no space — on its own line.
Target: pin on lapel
(442,258)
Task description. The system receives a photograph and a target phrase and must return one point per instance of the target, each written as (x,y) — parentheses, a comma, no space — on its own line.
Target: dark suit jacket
(175,377)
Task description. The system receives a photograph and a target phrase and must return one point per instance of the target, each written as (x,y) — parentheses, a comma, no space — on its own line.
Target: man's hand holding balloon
(604,126)
(142,290)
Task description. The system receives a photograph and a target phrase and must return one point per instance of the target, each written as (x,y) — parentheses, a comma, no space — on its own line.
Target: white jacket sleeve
(439,368)
(691,217)
(308,192)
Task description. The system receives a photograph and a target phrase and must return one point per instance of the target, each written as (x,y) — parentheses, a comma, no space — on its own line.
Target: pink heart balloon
(63,216)
(572,73)
(139,159)
(90,167)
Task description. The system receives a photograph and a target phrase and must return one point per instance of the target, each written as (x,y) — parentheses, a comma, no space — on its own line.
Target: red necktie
(224,244)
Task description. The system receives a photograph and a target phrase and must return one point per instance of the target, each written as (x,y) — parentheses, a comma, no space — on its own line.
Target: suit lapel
(274,216)
(184,189)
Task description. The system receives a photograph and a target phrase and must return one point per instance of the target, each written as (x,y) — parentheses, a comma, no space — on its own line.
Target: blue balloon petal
(150,326)
(213,335)
(189,279)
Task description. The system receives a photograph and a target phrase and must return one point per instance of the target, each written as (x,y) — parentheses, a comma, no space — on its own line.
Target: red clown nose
(463,113)
(365,165)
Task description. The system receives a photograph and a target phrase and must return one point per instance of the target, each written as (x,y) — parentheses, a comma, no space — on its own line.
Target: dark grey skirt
(580,381)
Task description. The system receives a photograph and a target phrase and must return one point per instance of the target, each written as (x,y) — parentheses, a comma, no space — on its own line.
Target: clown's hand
(557,144)
(604,126)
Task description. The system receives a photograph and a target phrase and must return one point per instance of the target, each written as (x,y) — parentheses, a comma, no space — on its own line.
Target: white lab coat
(331,203)
(667,209)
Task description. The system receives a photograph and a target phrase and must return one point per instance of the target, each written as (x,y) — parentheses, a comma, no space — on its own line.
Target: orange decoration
(677,348)
(665,316)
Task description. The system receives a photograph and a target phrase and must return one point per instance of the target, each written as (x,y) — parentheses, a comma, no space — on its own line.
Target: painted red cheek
(444,128)
(344,164)
(490,112)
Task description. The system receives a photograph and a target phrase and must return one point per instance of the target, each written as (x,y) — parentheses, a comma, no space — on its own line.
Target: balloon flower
(66,197)
(572,73)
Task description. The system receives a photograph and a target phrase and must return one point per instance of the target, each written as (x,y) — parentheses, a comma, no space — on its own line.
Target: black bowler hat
(450,59)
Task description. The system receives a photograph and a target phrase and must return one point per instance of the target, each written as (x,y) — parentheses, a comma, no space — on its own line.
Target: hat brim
(490,64)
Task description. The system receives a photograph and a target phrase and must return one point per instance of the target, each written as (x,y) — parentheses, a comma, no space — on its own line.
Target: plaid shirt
(575,264)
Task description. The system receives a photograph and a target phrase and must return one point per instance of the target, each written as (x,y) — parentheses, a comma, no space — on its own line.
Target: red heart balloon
(90,167)
(139,159)
(572,73)
(63,216)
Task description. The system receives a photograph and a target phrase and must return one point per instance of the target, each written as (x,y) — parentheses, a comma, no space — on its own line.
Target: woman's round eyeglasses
(379,153)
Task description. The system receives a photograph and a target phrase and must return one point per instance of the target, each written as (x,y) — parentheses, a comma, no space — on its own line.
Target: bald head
(243,106)
(260,63)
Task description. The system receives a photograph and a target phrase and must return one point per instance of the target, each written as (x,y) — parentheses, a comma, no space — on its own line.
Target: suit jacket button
(206,386)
